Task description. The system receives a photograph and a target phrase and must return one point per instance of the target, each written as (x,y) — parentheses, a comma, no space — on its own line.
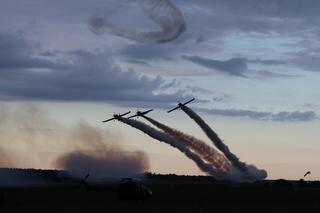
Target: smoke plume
(96,154)
(207,152)
(29,138)
(249,170)
(6,161)
(162,12)
(166,138)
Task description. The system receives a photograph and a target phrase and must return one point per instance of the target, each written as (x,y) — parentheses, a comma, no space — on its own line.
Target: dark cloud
(219,20)
(17,53)
(285,16)
(308,60)
(133,61)
(268,61)
(81,75)
(148,52)
(208,21)
(276,8)
(263,74)
(240,67)
(280,116)
(234,66)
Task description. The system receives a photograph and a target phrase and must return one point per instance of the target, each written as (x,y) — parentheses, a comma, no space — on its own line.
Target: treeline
(155,176)
(45,175)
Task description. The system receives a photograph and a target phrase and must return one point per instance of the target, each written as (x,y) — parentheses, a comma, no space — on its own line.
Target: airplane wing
(146,112)
(108,120)
(132,116)
(188,101)
(117,116)
(173,109)
(86,177)
(180,105)
(141,113)
(124,114)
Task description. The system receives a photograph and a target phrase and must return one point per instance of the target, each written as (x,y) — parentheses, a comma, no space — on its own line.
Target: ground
(167,197)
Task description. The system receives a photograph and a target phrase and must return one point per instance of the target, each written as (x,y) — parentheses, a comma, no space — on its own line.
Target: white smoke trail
(166,138)
(249,170)
(162,12)
(207,152)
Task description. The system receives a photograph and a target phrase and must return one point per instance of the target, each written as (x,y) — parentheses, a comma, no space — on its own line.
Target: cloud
(250,16)
(307,59)
(263,74)
(222,98)
(210,24)
(74,75)
(18,53)
(240,67)
(269,25)
(140,52)
(233,66)
(256,115)
(268,61)
(196,89)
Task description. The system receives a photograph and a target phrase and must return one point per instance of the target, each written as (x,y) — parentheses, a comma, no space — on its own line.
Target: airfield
(32,190)
(170,193)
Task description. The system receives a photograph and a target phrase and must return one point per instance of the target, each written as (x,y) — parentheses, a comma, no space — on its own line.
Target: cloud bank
(267,116)
(70,76)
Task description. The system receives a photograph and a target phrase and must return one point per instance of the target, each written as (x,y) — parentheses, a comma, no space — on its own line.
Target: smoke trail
(166,138)
(205,151)
(249,170)
(162,12)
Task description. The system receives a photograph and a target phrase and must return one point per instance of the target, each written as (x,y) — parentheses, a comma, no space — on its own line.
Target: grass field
(167,197)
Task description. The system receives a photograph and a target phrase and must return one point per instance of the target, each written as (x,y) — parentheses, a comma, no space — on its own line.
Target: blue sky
(251,65)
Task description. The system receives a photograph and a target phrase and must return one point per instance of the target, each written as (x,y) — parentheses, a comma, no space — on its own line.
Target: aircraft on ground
(128,189)
(131,189)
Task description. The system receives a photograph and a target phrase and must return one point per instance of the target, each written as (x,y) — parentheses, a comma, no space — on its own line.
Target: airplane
(131,189)
(117,116)
(128,189)
(139,113)
(181,105)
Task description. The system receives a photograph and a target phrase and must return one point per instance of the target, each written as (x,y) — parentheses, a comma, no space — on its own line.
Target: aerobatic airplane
(117,116)
(139,113)
(181,105)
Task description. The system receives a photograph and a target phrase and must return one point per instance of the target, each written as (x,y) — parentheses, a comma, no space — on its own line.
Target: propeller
(84,182)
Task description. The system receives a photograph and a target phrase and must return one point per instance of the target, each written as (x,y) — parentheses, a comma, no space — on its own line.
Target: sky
(253,67)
